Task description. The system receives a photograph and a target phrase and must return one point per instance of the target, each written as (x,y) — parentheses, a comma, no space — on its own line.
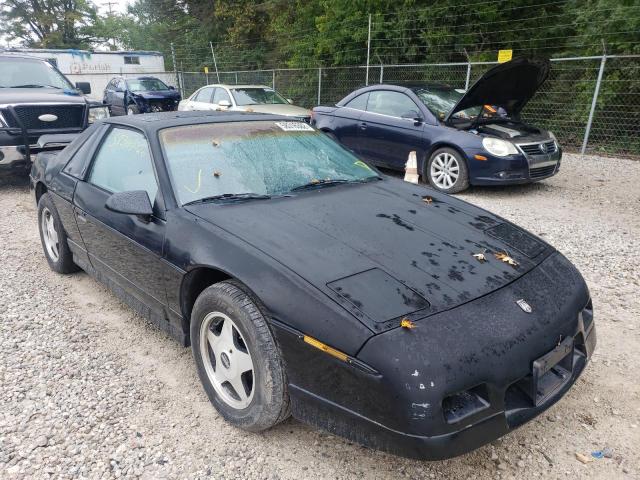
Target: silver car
(243,98)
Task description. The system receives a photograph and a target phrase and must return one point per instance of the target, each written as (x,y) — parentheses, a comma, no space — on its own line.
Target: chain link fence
(591,104)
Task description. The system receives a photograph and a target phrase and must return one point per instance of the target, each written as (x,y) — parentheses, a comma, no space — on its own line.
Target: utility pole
(368,51)
(215,65)
(109,4)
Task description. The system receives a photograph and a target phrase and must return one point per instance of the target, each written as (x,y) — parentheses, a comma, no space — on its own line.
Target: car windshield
(262,158)
(441,99)
(256,96)
(28,73)
(146,85)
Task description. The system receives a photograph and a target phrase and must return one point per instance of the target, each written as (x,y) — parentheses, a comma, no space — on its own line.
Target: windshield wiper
(35,85)
(229,197)
(328,183)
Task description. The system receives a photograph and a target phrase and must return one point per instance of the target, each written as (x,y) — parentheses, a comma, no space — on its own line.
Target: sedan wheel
(447,171)
(49,234)
(237,358)
(226,360)
(53,237)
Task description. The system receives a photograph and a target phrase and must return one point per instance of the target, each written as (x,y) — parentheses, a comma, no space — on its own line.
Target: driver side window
(219,95)
(394,104)
(124,163)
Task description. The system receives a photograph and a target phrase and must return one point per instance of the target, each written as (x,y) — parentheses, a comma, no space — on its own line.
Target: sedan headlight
(98,113)
(552,136)
(499,148)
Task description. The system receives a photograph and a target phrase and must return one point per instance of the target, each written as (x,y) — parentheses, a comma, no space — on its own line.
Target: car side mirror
(289,100)
(135,202)
(171,87)
(413,115)
(224,103)
(84,87)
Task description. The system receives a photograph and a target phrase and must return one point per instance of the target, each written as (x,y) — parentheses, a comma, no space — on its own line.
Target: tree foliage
(49,23)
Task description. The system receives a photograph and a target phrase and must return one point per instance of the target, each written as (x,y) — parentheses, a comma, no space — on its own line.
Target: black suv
(130,96)
(37,99)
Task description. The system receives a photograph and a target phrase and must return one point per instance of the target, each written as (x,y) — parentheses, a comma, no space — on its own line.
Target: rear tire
(237,358)
(53,237)
(447,171)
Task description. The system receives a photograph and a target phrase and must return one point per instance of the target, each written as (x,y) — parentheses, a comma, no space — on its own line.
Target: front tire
(53,237)
(447,171)
(237,358)
(133,110)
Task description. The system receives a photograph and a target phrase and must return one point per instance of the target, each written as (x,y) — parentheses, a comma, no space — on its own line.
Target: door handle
(363,126)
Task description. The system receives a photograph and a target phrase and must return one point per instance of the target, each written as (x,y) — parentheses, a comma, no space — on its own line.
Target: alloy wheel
(227,360)
(49,234)
(445,170)
(130,111)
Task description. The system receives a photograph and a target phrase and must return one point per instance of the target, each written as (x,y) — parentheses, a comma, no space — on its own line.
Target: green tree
(48,23)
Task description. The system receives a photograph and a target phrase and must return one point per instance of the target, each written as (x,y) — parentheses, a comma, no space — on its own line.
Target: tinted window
(204,95)
(221,94)
(386,102)
(123,163)
(81,148)
(359,103)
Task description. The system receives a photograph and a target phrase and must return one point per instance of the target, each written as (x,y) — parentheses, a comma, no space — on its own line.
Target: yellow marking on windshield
(360,163)
(198,184)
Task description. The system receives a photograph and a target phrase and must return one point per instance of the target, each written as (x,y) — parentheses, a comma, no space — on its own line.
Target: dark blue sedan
(130,96)
(461,138)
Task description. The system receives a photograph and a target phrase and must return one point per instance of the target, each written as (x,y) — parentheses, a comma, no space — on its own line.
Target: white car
(239,98)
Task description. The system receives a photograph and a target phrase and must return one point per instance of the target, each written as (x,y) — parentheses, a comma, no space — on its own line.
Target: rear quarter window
(81,149)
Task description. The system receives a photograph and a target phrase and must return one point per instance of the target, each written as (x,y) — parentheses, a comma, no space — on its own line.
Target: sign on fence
(504,55)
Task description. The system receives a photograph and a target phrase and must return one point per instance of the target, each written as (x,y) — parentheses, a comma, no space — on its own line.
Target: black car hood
(380,250)
(40,95)
(510,85)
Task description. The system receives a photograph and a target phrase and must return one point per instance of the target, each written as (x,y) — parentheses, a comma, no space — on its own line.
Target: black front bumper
(350,424)
(455,382)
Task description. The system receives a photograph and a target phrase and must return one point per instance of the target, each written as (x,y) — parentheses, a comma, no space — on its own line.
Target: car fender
(307,309)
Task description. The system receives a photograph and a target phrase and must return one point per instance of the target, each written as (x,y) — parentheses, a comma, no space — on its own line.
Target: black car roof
(158,121)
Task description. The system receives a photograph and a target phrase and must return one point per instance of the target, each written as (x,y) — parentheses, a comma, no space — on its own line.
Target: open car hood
(509,85)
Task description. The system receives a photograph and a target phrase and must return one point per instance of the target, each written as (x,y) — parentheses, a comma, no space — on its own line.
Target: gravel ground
(88,389)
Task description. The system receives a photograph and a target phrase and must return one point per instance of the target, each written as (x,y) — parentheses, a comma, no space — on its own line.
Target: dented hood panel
(510,85)
(382,241)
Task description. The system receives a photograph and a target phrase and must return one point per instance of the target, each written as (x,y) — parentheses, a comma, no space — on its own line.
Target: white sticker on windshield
(294,126)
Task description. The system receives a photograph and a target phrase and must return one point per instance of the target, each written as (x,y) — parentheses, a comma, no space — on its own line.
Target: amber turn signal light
(326,348)
(480,157)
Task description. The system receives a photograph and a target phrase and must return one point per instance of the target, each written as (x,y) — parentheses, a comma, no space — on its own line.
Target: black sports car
(307,283)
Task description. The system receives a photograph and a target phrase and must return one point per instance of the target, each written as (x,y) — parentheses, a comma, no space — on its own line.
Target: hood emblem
(48,117)
(543,148)
(522,303)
